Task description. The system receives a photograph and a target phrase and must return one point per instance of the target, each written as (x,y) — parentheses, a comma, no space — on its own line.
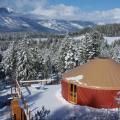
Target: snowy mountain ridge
(6,10)
(11,21)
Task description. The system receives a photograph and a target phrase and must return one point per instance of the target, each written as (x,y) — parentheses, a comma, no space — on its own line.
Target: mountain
(4,10)
(11,21)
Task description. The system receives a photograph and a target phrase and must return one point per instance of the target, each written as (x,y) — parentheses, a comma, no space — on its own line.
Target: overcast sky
(89,10)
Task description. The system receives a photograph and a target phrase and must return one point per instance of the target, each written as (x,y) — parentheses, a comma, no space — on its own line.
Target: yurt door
(73,93)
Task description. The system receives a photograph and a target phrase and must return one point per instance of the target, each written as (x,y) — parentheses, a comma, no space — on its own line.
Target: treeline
(10,36)
(7,37)
(107,30)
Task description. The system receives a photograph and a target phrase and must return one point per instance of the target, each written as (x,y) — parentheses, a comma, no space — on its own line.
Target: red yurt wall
(96,98)
(91,97)
(64,88)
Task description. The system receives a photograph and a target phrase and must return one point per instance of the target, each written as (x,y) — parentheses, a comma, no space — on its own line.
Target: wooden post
(11,91)
(29,114)
(25,104)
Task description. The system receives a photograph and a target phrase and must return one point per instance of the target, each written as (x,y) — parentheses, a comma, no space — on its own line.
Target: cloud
(108,16)
(62,11)
(22,5)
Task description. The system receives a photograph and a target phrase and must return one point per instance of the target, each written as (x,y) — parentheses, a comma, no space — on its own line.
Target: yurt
(95,84)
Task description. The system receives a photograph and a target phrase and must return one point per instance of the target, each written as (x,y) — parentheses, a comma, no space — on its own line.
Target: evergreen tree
(64,47)
(105,49)
(70,58)
(87,48)
(9,61)
(116,53)
(25,61)
(97,40)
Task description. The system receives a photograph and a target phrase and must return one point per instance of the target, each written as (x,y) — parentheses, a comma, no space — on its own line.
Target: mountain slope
(12,22)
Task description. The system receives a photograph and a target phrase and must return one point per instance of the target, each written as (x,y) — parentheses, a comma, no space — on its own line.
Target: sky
(101,11)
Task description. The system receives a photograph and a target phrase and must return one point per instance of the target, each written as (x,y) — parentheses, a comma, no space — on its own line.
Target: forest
(32,56)
(107,30)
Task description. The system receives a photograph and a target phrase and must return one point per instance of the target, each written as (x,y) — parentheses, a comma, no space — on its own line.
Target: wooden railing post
(29,115)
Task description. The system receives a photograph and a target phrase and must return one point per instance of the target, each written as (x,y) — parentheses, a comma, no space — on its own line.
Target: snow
(79,77)
(77,25)
(4,91)
(9,9)
(79,37)
(100,23)
(25,25)
(9,21)
(45,96)
(50,97)
(38,86)
(53,24)
(47,24)
(5,113)
(111,39)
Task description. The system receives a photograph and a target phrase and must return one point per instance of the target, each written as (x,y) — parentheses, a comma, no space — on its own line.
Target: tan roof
(101,73)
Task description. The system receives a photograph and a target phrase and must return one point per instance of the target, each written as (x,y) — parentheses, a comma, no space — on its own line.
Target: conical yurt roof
(101,73)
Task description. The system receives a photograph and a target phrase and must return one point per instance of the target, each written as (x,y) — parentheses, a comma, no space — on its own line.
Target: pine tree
(70,58)
(105,49)
(25,61)
(37,61)
(116,53)
(97,40)
(87,48)
(62,53)
(9,61)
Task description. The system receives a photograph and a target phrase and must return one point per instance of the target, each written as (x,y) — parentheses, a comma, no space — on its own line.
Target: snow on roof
(79,77)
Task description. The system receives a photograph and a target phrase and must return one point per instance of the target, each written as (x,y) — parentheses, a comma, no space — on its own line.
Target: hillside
(107,30)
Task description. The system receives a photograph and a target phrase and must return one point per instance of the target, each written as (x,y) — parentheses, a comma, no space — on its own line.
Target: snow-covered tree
(37,61)
(70,58)
(105,49)
(62,53)
(87,48)
(25,61)
(9,61)
(116,53)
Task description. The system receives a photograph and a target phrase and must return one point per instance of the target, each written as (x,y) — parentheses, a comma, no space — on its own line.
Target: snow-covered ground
(5,111)
(79,37)
(47,96)
(111,39)
(50,97)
